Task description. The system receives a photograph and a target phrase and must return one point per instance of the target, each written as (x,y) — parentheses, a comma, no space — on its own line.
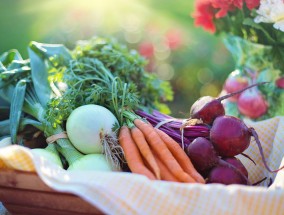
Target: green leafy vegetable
(17,103)
(98,71)
(106,73)
(33,102)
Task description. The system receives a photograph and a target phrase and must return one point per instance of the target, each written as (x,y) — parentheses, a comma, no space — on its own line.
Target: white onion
(48,155)
(91,162)
(88,125)
(6,141)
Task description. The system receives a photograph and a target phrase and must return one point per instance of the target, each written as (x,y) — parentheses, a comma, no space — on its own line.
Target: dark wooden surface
(24,193)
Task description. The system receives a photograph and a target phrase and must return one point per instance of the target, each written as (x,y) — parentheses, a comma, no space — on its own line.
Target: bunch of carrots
(151,152)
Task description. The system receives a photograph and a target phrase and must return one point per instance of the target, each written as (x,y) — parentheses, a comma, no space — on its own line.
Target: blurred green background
(194,61)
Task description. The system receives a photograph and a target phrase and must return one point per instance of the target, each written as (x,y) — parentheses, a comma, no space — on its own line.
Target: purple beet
(208,108)
(226,175)
(230,136)
(202,155)
(206,161)
(238,164)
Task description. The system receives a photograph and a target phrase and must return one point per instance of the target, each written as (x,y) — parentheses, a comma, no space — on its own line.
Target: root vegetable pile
(214,157)
(151,152)
(212,139)
(100,111)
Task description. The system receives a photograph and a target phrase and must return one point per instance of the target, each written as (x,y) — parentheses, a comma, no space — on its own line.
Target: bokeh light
(195,62)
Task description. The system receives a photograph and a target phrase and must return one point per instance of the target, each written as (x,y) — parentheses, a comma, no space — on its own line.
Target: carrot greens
(46,88)
(104,72)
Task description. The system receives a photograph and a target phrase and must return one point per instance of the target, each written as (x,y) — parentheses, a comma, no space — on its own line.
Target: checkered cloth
(126,193)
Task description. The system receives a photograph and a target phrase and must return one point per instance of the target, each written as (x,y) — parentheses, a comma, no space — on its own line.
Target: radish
(230,136)
(235,82)
(252,104)
(208,108)
(89,126)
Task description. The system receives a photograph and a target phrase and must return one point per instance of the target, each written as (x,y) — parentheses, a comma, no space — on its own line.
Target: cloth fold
(127,193)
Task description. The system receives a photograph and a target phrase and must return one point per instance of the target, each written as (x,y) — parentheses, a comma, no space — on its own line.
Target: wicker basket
(25,193)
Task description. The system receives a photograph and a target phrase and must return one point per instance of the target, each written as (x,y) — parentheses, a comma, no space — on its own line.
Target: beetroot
(238,164)
(252,104)
(208,108)
(206,161)
(230,136)
(202,155)
(226,175)
(235,82)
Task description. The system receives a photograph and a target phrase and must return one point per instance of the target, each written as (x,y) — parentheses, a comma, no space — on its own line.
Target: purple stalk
(173,128)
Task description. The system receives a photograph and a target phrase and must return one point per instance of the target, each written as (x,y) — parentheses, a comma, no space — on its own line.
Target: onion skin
(229,136)
(91,162)
(88,125)
(252,104)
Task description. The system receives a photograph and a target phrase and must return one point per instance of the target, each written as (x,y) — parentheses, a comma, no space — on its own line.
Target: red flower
(204,15)
(146,49)
(251,4)
(173,38)
(225,6)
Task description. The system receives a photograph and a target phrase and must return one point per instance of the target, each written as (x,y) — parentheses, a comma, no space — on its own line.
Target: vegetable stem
(240,91)
(65,147)
(51,148)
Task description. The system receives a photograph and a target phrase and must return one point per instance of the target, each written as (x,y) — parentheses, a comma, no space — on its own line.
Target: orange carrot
(132,154)
(162,151)
(145,150)
(180,156)
(166,175)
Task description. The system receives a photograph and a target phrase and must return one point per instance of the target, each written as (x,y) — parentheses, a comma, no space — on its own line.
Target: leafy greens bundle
(43,90)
